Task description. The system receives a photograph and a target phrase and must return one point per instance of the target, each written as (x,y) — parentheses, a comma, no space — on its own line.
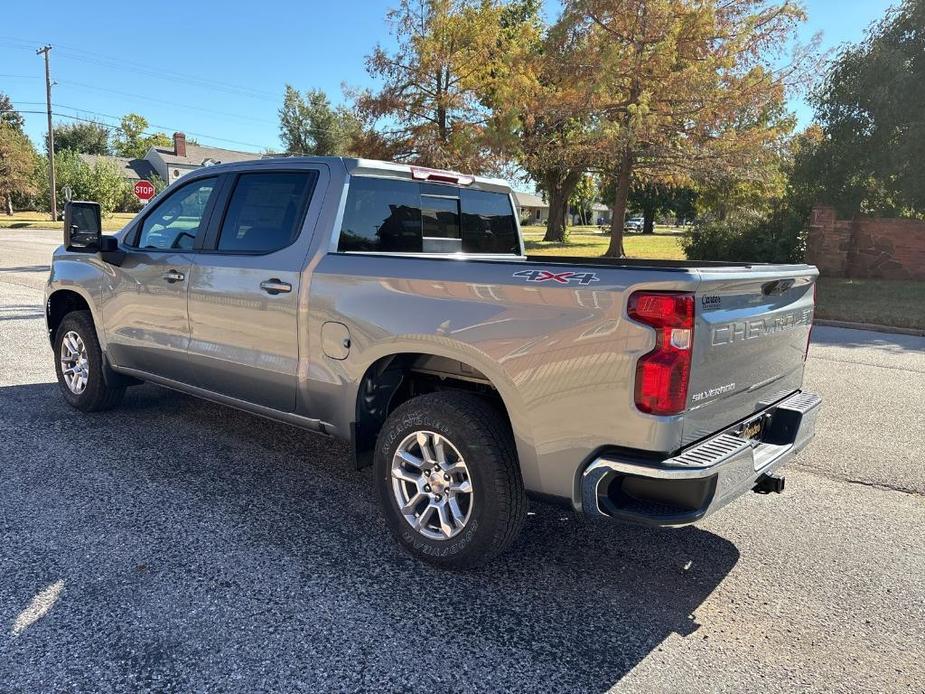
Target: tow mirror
(83,227)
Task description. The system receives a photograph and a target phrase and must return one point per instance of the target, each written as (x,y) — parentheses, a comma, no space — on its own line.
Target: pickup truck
(394,307)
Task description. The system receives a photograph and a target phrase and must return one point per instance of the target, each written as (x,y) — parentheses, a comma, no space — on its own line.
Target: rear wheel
(79,365)
(447,475)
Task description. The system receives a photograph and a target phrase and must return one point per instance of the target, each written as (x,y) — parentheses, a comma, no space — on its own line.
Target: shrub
(100,182)
(778,237)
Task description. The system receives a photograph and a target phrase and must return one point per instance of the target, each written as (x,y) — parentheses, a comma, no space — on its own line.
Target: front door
(144,312)
(244,291)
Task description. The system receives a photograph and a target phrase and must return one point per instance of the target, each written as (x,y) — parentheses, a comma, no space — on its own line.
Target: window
(440,218)
(265,212)
(174,223)
(488,224)
(382,215)
(396,216)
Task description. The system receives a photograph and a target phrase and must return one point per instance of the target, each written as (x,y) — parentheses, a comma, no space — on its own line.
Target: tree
(678,87)
(9,115)
(132,140)
(433,103)
(100,182)
(871,106)
(584,196)
(538,116)
(17,165)
(310,125)
(653,198)
(86,137)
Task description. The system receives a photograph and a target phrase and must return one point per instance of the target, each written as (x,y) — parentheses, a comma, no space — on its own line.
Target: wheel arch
(395,377)
(61,302)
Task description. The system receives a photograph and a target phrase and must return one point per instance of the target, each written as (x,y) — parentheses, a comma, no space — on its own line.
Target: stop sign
(143,190)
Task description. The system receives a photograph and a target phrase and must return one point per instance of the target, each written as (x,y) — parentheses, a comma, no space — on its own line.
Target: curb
(873,327)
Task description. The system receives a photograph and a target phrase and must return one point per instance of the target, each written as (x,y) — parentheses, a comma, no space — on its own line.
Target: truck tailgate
(750,338)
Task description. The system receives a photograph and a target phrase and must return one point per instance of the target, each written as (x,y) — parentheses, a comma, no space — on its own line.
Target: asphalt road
(174,545)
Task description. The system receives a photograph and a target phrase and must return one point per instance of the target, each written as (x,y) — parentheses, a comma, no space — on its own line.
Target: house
(534,210)
(531,208)
(131,169)
(170,163)
(600,214)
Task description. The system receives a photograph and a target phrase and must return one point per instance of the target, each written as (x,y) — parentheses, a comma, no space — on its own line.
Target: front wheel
(79,365)
(447,475)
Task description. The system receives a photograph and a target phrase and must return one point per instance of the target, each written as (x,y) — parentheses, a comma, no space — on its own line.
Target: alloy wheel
(431,485)
(75,366)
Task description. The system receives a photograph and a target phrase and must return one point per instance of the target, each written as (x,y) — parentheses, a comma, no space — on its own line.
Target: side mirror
(83,227)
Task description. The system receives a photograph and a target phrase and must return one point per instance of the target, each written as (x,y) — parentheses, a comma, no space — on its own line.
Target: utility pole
(44,50)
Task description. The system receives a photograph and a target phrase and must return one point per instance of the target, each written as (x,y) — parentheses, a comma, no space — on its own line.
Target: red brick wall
(866,247)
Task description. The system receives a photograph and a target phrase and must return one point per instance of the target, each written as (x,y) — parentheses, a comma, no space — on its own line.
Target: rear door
(750,339)
(244,290)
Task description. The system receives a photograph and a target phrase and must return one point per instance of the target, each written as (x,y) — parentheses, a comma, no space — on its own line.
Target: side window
(381,215)
(173,225)
(265,211)
(394,216)
(488,224)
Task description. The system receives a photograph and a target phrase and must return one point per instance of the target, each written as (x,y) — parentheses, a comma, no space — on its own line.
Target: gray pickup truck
(394,307)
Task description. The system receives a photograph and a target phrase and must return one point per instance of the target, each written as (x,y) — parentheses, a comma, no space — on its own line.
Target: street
(176,545)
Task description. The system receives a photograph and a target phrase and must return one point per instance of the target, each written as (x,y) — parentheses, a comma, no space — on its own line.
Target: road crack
(886,487)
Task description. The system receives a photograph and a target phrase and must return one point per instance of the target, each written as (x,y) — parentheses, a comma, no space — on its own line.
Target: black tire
(97,395)
(482,437)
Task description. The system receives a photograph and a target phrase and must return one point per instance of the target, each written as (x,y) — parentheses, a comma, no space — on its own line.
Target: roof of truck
(374,167)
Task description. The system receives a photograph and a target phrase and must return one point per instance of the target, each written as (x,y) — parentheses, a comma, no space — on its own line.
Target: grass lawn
(882,302)
(40,220)
(664,244)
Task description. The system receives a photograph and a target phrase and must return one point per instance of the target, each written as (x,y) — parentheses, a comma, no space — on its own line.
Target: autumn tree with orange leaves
(680,88)
(434,106)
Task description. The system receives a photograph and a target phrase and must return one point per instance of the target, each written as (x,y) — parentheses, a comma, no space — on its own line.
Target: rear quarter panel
(561,356)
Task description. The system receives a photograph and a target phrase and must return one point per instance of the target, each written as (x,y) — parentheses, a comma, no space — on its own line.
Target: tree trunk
(9,205)
(559,187)
(648,220)
(623,178)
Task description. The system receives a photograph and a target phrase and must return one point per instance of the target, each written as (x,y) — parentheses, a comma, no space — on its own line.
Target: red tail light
(662,375)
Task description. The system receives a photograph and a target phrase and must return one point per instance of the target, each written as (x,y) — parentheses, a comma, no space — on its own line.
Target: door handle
(275,286)
(173,276)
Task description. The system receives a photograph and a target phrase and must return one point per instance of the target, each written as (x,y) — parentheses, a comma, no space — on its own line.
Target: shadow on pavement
(200,547)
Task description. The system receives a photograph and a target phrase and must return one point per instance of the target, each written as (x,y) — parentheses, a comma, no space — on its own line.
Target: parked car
(634,224)
(394,307)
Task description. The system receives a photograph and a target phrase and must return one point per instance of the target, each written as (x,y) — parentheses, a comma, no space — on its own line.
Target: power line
(173,77)
(163,101)
(118,63)
(163,127)
(111,127)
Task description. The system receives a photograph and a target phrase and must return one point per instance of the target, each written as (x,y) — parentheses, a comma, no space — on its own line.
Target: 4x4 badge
(584,278)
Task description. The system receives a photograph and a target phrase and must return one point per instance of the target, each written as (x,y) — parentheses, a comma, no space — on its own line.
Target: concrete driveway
(175,545)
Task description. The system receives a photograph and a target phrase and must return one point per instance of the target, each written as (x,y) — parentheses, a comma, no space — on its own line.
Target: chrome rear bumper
(685,488)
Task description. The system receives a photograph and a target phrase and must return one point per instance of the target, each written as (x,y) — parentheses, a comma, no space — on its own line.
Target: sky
(218,74)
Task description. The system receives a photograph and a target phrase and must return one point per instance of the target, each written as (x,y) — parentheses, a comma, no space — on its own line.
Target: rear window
(394,216)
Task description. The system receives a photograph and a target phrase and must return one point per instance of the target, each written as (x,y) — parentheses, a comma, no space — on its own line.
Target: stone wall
(865,247)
